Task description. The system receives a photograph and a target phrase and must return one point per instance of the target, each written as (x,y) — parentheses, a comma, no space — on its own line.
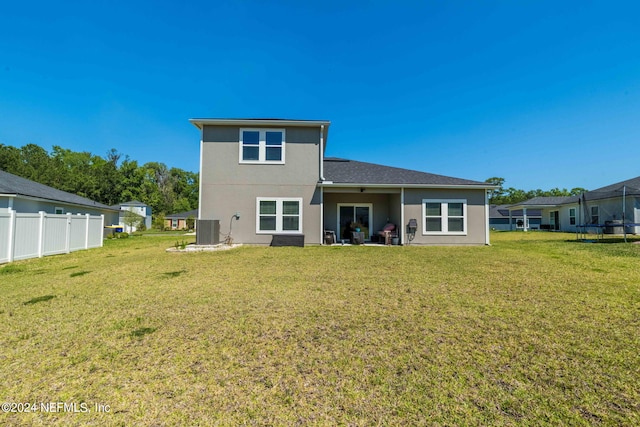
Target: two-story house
(140,209)
(274,173)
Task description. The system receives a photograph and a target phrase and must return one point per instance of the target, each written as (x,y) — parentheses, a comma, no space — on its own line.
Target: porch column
(402,227)
(510,221)
(524,219)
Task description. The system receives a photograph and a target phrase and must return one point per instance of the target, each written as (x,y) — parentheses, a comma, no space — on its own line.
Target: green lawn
(536,329)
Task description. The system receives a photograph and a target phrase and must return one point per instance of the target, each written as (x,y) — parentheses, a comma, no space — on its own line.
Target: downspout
(486,216)
(321,153)
(200,177)
(321,179)
(321,215)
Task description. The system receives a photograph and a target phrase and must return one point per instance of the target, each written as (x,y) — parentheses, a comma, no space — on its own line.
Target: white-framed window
(444,216)
(174,223)
(595,215)
(59,210)
(278,215)
(262,145)
(572,216)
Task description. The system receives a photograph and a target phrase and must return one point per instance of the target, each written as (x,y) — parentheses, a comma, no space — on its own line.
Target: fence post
(86,232)
(68,234)
(41,234)
(12,233)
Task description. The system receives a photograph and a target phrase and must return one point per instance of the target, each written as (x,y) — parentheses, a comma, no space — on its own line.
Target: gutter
(14,196)
(322,153)
(200,123)
(369,185)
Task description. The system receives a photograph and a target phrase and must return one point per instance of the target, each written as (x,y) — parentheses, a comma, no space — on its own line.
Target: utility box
(208,232)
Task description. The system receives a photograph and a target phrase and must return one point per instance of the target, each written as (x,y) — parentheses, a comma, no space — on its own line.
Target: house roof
(14,185)
(131,203)
(183,215)
(351,172)
(544,202)
(630,187)
(200,123)
(502,211)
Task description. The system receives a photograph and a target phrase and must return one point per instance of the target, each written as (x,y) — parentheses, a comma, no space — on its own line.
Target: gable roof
(14,185)
(343,171)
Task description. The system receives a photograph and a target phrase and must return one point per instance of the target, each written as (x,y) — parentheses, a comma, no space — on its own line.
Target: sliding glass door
(353,216)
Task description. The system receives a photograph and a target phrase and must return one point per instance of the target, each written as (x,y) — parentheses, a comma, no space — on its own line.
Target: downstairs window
(278,215)
(444,216)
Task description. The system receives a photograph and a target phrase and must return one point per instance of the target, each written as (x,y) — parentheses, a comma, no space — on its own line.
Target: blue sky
(542,93)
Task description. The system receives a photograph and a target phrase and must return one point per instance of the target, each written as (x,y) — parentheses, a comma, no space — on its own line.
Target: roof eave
(61,202)
(451,186)
(200,123)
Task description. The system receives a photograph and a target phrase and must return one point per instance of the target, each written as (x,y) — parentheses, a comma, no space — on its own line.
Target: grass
(536,329)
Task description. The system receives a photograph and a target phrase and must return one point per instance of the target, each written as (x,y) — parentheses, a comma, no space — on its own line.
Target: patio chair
(388,232)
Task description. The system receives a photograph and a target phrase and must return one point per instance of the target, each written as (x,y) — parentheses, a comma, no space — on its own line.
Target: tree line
(110,180)
(116,179)
(508,196)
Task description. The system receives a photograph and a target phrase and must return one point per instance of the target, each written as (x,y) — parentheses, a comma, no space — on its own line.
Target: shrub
(122,235)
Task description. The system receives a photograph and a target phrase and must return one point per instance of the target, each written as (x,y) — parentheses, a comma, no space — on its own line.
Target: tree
(191,221)
(132,220)
(158,221)
(497,193)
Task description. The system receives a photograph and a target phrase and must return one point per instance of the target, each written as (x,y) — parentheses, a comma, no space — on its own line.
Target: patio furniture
(329,237)
(357,237)
(388,232)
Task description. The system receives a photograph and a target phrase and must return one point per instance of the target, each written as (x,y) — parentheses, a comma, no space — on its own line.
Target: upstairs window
(444,216)
(262,146)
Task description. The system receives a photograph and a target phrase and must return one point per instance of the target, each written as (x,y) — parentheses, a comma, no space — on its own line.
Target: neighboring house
(26,196)
(37,220)
(501,218)
(274,174)
(604,208)
(139,208)
(178,221)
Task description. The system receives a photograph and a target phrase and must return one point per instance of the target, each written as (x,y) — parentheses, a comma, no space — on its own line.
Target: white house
(139,208)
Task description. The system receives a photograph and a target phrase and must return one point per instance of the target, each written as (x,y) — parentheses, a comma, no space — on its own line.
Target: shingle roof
(630,187)
(502,211)
(180,215)
(548,201)
(131,203)
(342,171)
(13,184)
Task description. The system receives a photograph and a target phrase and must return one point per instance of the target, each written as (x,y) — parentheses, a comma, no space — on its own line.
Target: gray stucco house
(503,219)
(605,208)
(26,196)
(274,173)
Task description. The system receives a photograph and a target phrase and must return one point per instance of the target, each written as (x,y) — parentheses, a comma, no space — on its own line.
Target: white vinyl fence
(31,235)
